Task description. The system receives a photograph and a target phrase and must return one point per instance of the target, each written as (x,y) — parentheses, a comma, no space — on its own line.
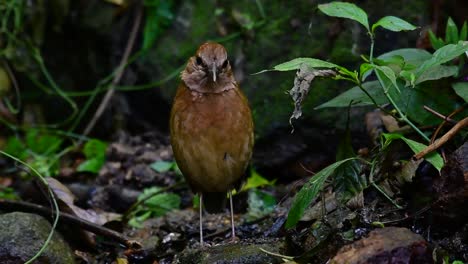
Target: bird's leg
(201,219)
(233,231)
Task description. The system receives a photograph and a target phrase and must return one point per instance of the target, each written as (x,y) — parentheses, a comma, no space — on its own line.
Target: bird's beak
(214,72)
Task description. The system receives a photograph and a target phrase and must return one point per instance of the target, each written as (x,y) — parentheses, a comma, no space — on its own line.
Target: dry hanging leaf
(304,77)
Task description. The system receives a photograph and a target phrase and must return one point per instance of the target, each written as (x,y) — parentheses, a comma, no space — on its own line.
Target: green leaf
(436,42)
(418,57)
(92,165)
(137,221)
(158,205)
(162,166)
(8,193)
(393,23)
(162,203)
(434,158)
(409,77)
(443,55)
(14,146)
(358,97)
(348,179)
(411,56)
(256,180)
(463,32)
(42,143)
(295,64)
(309,191)
(94,148)
(461,89)
(436,73)
(451,32)
(345,10)
(412,101)
(365,70)
(389,74)
(95,152)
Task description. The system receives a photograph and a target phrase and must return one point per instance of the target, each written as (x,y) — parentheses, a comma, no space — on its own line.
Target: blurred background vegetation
(58,57)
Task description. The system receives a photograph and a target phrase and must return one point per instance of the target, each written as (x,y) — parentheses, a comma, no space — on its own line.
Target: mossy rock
(23,234)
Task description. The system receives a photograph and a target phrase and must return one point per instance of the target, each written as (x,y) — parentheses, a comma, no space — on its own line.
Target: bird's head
(209,70)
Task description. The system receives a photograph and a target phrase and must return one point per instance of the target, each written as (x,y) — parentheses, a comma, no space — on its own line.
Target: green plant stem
(371,55)
(359,84)
(387,94)
(400,113)
(54,202)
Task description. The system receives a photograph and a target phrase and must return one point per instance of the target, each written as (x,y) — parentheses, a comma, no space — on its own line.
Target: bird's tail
(214,202)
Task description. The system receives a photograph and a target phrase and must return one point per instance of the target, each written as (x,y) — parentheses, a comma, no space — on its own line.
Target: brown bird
(211,128)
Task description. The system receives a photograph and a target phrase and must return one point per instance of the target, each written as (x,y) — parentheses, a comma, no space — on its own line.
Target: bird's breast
(212,138)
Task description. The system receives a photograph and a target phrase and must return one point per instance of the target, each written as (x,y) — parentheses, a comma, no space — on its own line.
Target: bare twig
(118,75)
(11,206)
(445,121)
(438,143)
(434,112)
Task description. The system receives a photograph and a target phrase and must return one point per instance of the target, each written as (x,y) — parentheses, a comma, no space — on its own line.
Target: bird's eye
(198,60)
(225,64)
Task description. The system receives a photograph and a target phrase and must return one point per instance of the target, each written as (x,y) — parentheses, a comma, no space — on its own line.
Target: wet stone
(386,245)
(23,234)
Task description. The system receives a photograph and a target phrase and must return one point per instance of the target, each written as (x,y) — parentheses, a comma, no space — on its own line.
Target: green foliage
(461,89)
(8,193)
(348,181)
(162,166)
(295,64)
(309,191)
(452,35)
(357,97)
(393,24)
(158,16)
(158,205)
(345,10)
(403,79)
(434,158)
(39,148)
(165,166)
(95,152)
(255,180)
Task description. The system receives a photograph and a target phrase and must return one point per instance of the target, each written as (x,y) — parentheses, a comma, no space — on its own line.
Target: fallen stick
(441,141)
(15,206)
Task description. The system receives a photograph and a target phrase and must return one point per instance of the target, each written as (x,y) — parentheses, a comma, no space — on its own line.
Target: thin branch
(438,143)
(68,219)
(434,112)
(118,75)
(445,121)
